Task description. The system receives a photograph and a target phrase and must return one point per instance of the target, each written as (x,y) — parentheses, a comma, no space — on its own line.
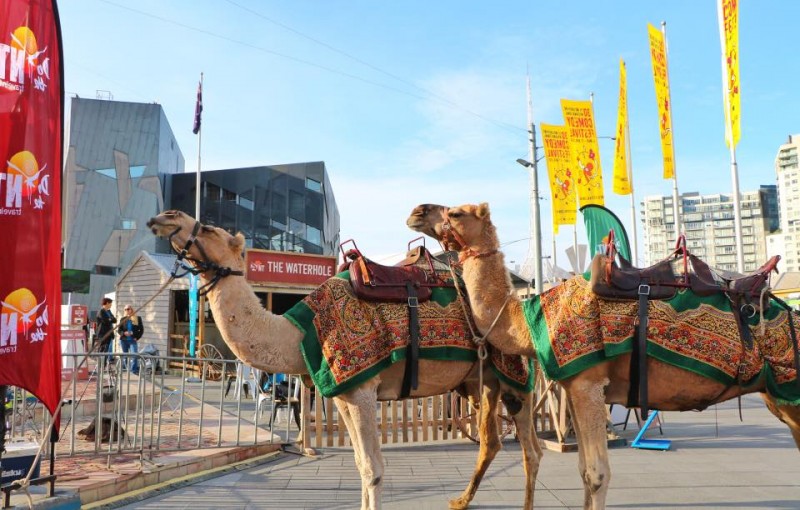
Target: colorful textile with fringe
(573,330)
(348,340)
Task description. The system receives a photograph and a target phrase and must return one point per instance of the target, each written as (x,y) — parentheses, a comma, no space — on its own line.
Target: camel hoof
(458,504)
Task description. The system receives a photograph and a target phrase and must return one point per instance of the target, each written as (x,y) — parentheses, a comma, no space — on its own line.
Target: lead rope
(480,341)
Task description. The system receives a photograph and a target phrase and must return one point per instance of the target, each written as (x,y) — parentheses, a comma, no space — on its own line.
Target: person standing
(130,330)
(104,327)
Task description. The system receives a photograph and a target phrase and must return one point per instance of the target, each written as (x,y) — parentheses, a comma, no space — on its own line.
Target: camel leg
(531,451)
(489,443)
(788,414)
(587,402)
(344,414)
(361,405)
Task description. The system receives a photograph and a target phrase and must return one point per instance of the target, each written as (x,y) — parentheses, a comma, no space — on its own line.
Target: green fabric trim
(534,315)
(525,388)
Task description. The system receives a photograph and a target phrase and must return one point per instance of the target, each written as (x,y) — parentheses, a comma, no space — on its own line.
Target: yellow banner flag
(658,55)
(562,186)
(584,152)
(729,34)
(622,181)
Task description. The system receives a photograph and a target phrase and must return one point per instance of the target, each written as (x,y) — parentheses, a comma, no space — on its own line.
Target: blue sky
(411,102)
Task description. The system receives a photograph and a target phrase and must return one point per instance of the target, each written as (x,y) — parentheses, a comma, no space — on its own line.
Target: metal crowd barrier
(107,409)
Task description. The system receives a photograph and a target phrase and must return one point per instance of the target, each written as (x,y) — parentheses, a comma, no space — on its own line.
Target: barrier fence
(212,403)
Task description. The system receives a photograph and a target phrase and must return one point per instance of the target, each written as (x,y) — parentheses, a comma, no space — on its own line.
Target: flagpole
(675,196)
(199,145)
(635,253)
(201,301)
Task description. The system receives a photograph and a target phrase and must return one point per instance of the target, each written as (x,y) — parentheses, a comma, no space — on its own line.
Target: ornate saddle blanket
(348,340)
(573,330)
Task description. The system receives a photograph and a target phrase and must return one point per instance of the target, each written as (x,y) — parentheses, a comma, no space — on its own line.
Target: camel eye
(207,229)
(455,214)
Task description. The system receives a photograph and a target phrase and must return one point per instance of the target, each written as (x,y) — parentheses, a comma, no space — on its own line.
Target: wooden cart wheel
(212,364)
(467,420)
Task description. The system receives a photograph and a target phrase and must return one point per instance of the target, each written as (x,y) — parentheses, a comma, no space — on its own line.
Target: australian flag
(198,109)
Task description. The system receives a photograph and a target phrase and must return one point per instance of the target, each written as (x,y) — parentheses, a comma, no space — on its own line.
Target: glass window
(246,203)
(128,224)
(313,235)
(278,208)
(136,171)
(313,185)
(211,192)
(297,206)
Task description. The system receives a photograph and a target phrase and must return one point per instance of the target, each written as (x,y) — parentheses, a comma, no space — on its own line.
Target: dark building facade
(282,207)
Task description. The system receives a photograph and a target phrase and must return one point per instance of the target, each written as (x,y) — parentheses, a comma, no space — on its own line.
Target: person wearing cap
(130,330)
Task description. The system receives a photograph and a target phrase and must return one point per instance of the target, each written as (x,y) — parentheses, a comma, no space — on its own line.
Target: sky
(426,102)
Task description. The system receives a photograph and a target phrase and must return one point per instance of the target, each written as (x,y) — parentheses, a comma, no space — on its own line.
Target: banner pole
(675,196)
(635,247)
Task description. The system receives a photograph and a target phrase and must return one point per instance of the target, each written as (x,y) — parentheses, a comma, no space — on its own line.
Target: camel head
(206,247)
(466,227)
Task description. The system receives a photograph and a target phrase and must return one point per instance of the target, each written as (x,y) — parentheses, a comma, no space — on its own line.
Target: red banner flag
(31,124)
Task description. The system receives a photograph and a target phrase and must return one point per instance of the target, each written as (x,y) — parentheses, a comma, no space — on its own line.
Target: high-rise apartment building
(708,223)
(787,242)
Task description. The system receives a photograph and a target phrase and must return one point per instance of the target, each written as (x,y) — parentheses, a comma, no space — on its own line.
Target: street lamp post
(535,214)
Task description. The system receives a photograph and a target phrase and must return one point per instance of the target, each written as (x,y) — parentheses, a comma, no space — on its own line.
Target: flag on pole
(584,151)
(31,133)
(728,11)
(562,186)
(658,56)
(622,181)
(198,108)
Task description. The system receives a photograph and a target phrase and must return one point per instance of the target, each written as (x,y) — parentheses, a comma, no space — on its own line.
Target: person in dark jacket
(130,330)
(104,327)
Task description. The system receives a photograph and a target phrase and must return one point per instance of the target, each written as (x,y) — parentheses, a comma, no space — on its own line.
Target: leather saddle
(415,276)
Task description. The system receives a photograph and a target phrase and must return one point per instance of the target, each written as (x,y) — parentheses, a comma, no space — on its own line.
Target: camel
(468,229)
(271,343)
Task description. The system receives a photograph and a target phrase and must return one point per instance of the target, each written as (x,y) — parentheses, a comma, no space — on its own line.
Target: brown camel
(272,343)
(468,229)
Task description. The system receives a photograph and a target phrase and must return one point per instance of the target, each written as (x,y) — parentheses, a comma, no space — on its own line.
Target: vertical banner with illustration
(562,187)
(729,37)
(622,179)
(31,123)
(658,56)
(585,153)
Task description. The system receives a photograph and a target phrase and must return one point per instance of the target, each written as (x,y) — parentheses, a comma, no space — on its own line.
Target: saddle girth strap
(411,374)
(637,392)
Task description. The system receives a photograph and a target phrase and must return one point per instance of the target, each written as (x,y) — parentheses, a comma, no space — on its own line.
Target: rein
(198,266)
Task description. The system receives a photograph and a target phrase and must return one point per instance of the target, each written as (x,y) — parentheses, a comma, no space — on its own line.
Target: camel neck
(489,286)
(256,336)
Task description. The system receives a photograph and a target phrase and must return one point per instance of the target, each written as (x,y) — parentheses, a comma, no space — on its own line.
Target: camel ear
(237,243)
(482,211)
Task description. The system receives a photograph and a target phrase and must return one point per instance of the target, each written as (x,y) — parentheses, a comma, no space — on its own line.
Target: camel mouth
(157,226)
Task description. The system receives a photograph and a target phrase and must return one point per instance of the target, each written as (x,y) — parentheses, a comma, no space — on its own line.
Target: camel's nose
(151,222)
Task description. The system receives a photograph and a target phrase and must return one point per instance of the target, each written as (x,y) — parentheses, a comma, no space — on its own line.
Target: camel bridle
(198,266)
(450,235)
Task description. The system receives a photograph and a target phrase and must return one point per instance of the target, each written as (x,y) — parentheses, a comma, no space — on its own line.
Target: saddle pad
(573,330)
(348,340)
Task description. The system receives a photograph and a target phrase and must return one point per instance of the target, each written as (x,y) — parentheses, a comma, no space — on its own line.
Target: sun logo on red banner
(24,39)
(21,308)
(35,184)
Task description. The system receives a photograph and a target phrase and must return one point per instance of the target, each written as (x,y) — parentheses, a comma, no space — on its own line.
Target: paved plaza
(715,462)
